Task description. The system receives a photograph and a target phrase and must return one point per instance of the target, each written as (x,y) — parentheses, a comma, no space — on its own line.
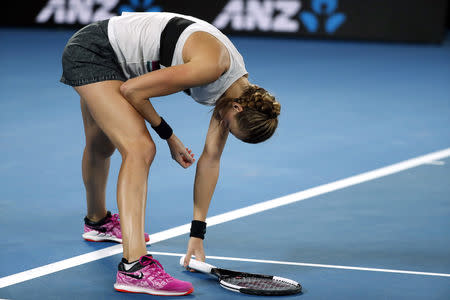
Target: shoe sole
(135,289)
(94,236)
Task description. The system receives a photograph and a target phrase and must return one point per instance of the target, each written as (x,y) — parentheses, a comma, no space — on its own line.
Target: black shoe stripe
(133,276)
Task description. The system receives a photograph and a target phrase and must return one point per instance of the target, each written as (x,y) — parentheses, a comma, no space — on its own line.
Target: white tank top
(135,38)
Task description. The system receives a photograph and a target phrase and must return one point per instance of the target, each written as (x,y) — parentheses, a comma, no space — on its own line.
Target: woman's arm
(206,178)
(137,92)
(164,82)
(206,59)
(208,167)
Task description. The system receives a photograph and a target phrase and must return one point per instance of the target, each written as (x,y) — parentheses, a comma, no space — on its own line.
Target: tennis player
(116,66)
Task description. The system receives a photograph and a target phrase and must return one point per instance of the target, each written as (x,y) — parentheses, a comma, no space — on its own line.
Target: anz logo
(138,5)
(77,11)
(87,11)
(280,16)
(323,10)
(267,15)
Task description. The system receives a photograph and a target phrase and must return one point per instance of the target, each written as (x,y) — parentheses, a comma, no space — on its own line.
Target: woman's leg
(95,165)
(126,130)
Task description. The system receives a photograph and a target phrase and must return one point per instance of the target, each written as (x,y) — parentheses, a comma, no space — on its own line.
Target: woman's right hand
(180,154)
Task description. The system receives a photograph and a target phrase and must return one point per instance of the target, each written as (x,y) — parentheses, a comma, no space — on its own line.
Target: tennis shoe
(148,276)
(105,230)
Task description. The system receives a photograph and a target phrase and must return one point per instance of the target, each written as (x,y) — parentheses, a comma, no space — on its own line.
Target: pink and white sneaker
(105,230)
(148,276)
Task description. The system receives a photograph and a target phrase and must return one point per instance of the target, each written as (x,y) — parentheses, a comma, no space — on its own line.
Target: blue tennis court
(341,230)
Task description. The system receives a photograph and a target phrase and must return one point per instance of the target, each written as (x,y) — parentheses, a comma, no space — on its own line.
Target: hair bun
(259,99)
(276,109)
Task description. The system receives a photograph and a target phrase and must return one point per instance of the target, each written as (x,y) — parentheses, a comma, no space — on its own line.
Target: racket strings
(260,283)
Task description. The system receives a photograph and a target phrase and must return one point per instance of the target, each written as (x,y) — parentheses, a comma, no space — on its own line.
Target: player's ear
(237,107)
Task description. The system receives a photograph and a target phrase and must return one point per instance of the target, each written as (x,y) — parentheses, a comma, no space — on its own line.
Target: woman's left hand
(180,154)
(195,247)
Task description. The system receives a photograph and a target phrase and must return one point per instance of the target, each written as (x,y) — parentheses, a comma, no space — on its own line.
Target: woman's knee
(141,149)
(98,144)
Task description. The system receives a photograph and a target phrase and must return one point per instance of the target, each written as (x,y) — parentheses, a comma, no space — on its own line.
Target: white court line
(225,217)
(436,163)
(264,261)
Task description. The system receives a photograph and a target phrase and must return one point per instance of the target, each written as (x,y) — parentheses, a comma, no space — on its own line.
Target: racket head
(257,284)
(247,283)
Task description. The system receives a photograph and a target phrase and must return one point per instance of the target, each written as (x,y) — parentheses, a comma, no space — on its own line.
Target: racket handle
(198,265)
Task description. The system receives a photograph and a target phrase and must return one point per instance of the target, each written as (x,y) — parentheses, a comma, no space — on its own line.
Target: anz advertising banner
(388,20)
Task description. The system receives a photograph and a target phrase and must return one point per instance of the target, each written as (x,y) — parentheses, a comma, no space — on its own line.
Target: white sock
(130,265)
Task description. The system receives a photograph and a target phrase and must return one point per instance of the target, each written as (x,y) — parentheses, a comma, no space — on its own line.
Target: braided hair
(259,117)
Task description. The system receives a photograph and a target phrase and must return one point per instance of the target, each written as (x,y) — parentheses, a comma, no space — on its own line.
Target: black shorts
(88,57)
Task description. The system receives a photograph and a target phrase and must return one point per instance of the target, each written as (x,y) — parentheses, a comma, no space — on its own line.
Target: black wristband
(163,130)
(198,229)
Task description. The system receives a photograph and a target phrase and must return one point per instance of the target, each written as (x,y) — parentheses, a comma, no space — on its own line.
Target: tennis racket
(247,283)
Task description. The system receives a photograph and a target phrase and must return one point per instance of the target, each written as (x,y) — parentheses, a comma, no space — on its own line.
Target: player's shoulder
(208,51)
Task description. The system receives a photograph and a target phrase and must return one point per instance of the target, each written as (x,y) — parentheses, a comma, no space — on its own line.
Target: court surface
(348,108)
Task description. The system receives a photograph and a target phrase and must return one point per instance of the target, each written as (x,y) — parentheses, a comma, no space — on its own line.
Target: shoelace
(116,225)
(112,224)
(115,219)
(158,267)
